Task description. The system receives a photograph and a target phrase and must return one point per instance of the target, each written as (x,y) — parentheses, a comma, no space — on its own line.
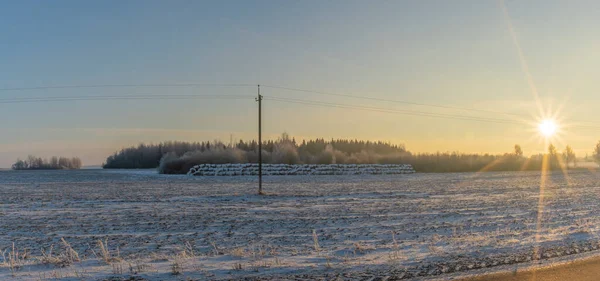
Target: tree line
(147,156)
(54,163)
(284,150)
(179,157)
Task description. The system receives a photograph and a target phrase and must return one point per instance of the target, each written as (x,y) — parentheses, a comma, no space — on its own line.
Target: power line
(252,85)
(306,102)
(126,86)
(424,104)
(127,96)
(387,110)
(396,101)
(267,86)
(411,112)
(122,97)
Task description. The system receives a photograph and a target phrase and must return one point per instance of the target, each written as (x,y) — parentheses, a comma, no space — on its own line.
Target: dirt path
(584,270)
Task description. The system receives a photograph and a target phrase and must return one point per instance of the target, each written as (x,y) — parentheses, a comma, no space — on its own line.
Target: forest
(54,163)
(179,157)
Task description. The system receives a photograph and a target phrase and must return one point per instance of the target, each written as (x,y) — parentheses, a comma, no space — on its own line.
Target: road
(583,270)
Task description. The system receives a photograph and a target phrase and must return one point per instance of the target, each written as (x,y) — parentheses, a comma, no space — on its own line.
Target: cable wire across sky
(388,110)
(393,101)
(125,86)
(121,97)
(250,85)
(519,121)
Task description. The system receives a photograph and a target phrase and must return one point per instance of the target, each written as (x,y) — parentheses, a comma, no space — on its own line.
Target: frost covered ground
(392,227)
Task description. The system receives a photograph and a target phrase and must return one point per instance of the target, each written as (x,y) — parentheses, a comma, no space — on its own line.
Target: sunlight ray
(525,164)
(524,65)
(564,167)
(540,211)
(489,166)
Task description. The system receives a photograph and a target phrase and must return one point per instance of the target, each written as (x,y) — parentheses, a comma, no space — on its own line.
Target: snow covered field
(161,227)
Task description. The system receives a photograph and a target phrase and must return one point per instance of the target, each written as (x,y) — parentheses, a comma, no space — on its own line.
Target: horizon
(299,141)
(503,57)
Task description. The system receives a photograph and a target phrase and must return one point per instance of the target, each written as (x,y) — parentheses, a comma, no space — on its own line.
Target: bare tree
(518,150)
(569,156)
(553,156)
(597,152)
(552,150)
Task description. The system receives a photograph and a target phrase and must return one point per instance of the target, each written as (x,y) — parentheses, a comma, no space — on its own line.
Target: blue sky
(456,53)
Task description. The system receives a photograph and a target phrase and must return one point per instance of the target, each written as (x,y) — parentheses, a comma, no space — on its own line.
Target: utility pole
(259,100)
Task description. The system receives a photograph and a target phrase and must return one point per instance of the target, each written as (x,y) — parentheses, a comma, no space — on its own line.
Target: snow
(210,228)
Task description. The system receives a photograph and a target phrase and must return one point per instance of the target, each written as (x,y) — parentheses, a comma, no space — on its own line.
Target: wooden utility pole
(259,100)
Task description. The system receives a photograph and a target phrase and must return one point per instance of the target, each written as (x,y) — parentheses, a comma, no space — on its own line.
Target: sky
(449,53)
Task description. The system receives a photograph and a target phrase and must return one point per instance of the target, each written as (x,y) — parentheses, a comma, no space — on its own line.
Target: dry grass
(394,255)
(259,256)
(238,252)
(255,251)
(359,247)
(15,260)
(70,254)
(188,250)
(215,249)
(69,257)
(117,268)
(138,267)
(178,262)
(177,267)
(62,259)
(105,254)
(237,266)
(78,273)
(328,262)
(257,265)
(316,241)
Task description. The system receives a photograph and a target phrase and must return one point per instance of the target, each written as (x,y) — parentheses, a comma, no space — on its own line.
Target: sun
(547,128)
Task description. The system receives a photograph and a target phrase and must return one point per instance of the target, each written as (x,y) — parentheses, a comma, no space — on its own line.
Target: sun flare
(547,128)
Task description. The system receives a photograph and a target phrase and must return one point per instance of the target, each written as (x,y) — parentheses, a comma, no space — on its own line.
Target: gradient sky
(457,53)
